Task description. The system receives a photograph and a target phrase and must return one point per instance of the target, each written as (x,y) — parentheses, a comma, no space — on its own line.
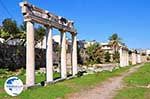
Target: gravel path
(107,89)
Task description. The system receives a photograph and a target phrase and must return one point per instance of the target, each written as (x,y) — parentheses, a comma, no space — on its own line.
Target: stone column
(127,58)
(30,55)
(63,55)
(125,61)
(138,58)
(121,57)
(123,53)
(49,55)
(74,55)
(133,58)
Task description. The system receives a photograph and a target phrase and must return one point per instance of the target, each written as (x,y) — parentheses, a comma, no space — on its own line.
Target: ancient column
(121,57)
(127,58)
(74,54)
(63,55)
(49,55)
(30,55)
(125,61)
(138,58)
(123,53)
(133,58)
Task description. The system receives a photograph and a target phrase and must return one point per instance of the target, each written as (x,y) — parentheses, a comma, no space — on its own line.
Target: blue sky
(97,19)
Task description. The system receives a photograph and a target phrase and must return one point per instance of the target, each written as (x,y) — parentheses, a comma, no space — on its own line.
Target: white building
(56,38)
(88,43)
(148,52)
(106,47)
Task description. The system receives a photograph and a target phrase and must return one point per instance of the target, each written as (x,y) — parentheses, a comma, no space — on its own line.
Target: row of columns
(30,55)
(124,57)
(136,58)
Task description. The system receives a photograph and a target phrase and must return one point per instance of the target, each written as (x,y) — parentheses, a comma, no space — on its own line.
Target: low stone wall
(98,68)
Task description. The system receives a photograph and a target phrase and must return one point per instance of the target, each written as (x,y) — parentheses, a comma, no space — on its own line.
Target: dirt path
(107,89)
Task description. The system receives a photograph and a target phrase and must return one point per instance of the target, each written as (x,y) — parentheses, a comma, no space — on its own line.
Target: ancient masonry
(32,15)
(124,57)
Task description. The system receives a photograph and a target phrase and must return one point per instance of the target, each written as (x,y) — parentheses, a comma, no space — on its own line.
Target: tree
(9,29)
(95,54)
(107,57)
(39,34)
(116,57)
(114,41)
(99,55)
(22,35)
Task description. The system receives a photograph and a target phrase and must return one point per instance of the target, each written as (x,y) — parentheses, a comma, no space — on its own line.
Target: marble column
(127,58)
(30,55)
(74,55)
(138,58)
(63,55)
(121,57)
(133,58)
(124,62)
(49,55)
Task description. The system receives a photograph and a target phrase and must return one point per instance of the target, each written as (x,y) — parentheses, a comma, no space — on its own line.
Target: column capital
(48,26)
(74,33)
(62,30)
(27,18)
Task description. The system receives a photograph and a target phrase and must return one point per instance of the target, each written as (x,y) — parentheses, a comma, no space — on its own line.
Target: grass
(61,89)
(39,77)
(132,90)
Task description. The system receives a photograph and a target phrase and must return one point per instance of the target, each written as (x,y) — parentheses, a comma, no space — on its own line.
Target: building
(88,43)
(148,52)
(106,47)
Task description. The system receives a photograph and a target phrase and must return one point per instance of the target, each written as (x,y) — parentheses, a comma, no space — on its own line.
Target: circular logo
(13,86)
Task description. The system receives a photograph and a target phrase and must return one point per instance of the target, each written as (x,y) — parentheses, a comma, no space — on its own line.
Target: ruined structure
(33,14)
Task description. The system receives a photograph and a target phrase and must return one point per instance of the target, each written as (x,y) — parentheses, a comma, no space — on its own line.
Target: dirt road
(107,89)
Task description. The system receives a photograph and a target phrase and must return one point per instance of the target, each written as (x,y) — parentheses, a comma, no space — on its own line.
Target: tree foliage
(95,54)
(99,55)
(10,30)
(107,57)
(116,57)
(114,41)
(39,34)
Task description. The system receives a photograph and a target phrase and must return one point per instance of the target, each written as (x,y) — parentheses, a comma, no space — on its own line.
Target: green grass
(132,90)
(61,89)
(39,77)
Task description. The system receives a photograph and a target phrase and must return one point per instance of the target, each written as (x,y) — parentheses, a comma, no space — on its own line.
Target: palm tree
(114,42)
